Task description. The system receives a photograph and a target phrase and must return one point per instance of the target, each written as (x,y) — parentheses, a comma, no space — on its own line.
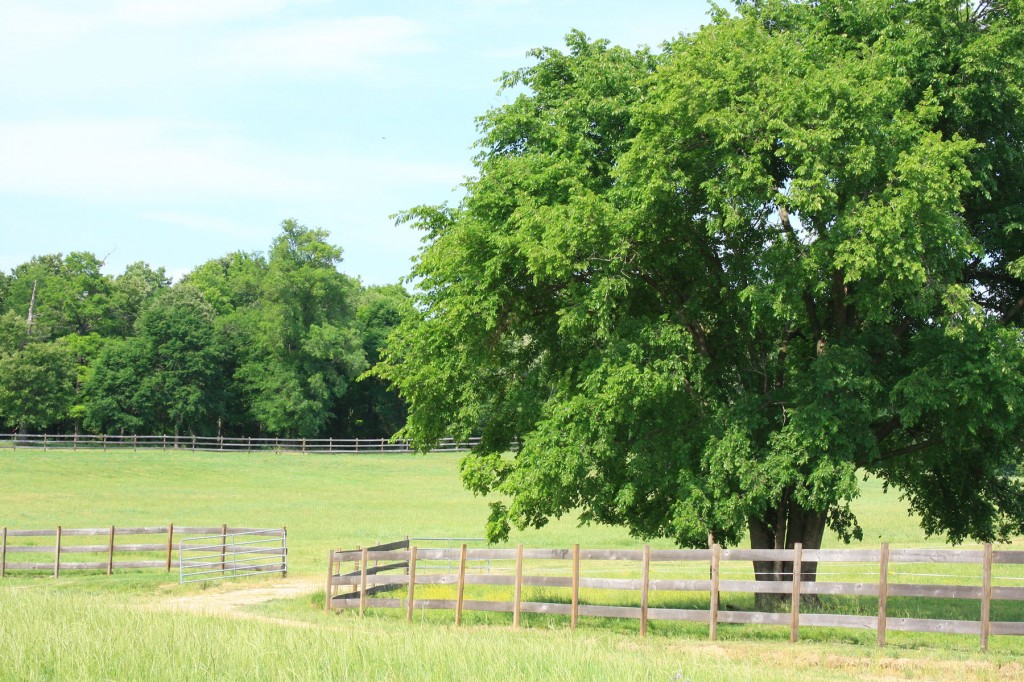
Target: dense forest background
(247,344)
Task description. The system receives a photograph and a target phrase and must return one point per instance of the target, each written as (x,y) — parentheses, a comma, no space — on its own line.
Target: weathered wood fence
(158,550)
(393,565)
(77,441)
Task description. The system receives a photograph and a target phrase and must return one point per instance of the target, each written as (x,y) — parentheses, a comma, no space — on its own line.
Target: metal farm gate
(233,554)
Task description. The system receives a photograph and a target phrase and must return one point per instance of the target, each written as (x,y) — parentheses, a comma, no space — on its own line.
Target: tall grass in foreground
(46,636)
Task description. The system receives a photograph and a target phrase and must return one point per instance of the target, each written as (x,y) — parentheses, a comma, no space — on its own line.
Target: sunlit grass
(44,636)
(87,625)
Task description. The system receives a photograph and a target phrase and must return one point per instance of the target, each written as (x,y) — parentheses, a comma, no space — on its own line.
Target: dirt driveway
(231,599)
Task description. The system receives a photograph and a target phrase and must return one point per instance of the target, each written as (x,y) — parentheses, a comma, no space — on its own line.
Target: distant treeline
(246,344)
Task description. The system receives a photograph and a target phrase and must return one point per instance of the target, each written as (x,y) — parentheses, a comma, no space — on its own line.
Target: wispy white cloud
(55,21)
(493,5)
(340,45)
(258,36)
(29,28)
(178,12)
(132,161)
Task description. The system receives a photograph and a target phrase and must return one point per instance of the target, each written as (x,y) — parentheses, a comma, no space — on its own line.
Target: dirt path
(231,599)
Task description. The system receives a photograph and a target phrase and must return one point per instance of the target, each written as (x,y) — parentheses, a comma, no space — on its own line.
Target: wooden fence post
(575,617)
(284,551)
(170,544)
(330,581)
(645,584)
(412,583)
(883,591)
(986,595)
(104,442)
(110,552)
(462,585)
(56,557)
(75,447)
(135,442)
(3,554)
(223,547)
(716,558)
(517,603)
(362,582)
(163,443)
(794,625)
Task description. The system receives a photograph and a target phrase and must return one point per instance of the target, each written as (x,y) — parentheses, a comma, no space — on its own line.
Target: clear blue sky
(175,131)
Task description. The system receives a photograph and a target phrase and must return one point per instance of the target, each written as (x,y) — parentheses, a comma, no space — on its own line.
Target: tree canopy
(305,350)
(707,288)
(245,344)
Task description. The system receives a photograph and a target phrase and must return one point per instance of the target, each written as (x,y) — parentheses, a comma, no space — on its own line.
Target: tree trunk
(782,528)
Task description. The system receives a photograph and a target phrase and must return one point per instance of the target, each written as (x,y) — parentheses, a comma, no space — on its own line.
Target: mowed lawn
(91,626)
(325,501)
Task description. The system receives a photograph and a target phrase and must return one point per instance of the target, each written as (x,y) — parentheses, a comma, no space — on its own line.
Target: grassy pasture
(90,626)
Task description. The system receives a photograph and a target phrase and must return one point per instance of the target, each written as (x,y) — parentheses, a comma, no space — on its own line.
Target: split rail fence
(394,565)
(157,549)
(76,442)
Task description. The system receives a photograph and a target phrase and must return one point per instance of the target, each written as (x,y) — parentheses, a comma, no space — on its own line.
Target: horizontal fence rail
(76,442)
(482,565)
(233,555)
(393,566)
(103,549)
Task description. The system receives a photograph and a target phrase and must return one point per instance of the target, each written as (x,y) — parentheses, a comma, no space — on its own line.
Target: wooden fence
(76,442)
(394,565)
(157,552)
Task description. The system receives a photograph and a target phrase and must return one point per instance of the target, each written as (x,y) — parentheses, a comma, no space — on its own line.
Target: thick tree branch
(884,429)
(909,449)
(787,225)
(1014,311)
(902,328)
(838,303)
(808,297)
(812,316)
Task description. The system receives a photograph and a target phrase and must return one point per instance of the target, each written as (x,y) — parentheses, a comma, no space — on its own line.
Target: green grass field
(91,626)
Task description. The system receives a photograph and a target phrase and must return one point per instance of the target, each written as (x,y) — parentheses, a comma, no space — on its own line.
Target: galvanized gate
(233,555)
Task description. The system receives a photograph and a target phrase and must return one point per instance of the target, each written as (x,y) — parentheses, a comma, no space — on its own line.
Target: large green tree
(130,293)
(233,285)
(305,349)
(112,397)
(168,378)
(65,294)
(36,385)
(371,408)
(707,289)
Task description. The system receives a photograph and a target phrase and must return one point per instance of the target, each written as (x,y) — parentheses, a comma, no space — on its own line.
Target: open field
(88,626)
